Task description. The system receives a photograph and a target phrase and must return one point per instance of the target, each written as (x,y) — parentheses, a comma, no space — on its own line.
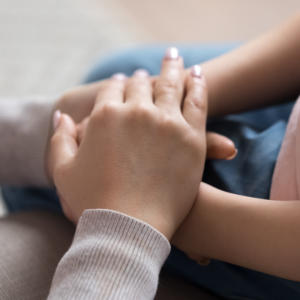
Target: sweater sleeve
(113,256)
(24,128)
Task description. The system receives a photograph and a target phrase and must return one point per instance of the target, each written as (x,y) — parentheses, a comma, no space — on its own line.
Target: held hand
(141,154)
(218,146)
(79,102)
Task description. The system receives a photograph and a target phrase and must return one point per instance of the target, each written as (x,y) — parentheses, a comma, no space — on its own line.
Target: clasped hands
(135,145)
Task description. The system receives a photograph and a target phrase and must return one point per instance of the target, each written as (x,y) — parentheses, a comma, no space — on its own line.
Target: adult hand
(141,154)
(79,102)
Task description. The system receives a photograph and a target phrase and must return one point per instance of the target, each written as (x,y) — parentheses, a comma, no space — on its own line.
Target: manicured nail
(233,155)
(119,76)
(141,73)
(56,119)
(172,53)
(196,71)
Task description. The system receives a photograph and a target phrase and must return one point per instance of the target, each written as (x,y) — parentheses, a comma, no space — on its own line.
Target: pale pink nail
(141,73)
(196,71)
(119,76)
(56,119)
(172,53)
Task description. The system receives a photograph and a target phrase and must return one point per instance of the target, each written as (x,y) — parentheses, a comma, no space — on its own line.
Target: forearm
(24,127)
(113,256)
(259,234)
(262,72)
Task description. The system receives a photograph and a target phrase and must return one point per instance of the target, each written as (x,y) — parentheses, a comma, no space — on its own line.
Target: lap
(30,251)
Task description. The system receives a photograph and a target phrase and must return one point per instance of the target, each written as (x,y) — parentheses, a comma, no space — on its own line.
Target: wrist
(132,206)
(154,219)
(196,234)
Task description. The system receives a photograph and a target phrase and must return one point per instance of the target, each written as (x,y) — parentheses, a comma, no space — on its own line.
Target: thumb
(219,146)
(63,146)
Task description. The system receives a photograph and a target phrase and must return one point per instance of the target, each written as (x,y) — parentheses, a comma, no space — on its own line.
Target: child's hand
(141,154)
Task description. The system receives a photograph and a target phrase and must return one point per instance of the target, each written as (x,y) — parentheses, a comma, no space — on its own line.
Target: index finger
(111,92)
(195,102)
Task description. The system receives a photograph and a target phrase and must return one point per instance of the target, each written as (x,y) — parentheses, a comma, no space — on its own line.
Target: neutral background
(46,46)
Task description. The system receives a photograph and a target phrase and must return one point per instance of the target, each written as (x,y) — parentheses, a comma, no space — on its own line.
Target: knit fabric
(286,180)
(113,256)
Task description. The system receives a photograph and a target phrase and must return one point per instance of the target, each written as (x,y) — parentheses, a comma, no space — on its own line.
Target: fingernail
(233,155)
(196,71)
(141,73)
(56,119)
(172,53)
(119,76)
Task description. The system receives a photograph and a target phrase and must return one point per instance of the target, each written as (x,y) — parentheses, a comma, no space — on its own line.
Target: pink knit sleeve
(113,256)
(286,180)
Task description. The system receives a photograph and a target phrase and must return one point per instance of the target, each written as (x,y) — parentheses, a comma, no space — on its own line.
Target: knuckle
(203,106)
(167,86)
(200,103)
(108,85)
(170,124)
(108,111)
(141,111)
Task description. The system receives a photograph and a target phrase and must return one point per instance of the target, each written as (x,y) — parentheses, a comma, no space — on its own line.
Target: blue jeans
(257,135)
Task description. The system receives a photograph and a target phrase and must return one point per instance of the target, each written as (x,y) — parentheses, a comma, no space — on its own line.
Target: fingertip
(66,124)
(220,147)
(119,76)
(56,119)
(171,53)
(232,151)
(141,73)
(196,71)
(233,155)
(67,119)
(172,57)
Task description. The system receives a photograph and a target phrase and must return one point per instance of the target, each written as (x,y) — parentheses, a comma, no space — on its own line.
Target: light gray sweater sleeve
(24,128)
(113,256)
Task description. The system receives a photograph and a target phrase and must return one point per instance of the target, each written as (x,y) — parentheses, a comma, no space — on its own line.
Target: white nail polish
(56,119)
(196,71)
(172,53)
(119,76)
(141,73)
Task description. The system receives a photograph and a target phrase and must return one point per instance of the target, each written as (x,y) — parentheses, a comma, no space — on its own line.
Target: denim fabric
(257,135)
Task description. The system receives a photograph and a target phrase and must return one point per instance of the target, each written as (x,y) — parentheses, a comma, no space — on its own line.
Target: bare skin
(260,73)
(78,103)
(135,138)
(253,233)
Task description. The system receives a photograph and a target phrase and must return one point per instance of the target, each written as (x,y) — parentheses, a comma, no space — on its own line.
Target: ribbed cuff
(113,256)
(118,224)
